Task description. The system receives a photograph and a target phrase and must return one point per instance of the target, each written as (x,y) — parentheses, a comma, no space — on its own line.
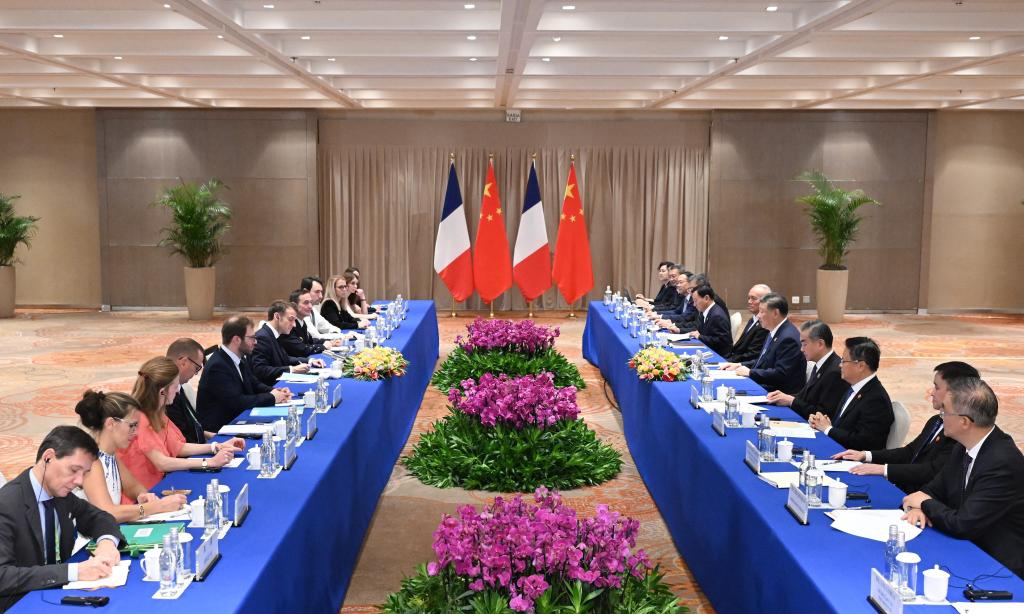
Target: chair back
(900,426)
(736,320)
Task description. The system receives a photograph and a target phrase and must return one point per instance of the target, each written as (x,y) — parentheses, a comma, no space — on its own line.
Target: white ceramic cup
(309,399)
(198,512)
(721,393)
(151,564)
(280,428)
(837,495)
(253,456)
(784,451)
(747,417)
(936,584)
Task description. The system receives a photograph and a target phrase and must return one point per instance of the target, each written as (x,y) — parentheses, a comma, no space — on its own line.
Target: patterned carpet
(47,358)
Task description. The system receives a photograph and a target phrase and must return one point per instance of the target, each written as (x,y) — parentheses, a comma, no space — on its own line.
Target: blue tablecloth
(745,550)
(298,547)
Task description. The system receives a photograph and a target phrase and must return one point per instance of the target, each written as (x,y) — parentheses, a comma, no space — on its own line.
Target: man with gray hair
(979,494)
(751,340)
(825,386)
(779,364)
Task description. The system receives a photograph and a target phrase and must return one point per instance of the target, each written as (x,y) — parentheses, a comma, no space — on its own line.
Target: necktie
(50,537)
(931,435)
(842,405)
(814,372)
(967,465)
(764,350)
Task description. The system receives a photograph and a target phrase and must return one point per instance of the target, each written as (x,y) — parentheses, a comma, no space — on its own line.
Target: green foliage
(460,451)
(198,221)
(834,217)
(461,365)
(14,229)
(446,593)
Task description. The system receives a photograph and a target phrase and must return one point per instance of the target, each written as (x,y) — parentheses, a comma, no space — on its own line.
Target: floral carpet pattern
(48,358)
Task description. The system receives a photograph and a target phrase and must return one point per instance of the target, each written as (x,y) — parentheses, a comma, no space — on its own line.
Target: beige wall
(50,159)
(266,158)
(977,215)
(757,233)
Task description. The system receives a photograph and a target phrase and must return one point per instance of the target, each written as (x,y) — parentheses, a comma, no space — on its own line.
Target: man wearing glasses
(979,494)
(864,416)
(916,463)
(188,355)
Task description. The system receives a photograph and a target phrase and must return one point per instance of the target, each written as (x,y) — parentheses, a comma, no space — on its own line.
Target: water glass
(907,563)
(707,389)
(815,477)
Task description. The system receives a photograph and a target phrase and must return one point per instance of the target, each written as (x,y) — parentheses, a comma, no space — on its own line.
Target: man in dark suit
(683,318)
(228,386)
(748,346)
(916,463)
(188,355)
(37,510)
(779,365)
(300,343)
(713,327)
(864,415)
(825,386)
(667,289)
(269,358)
(979,494)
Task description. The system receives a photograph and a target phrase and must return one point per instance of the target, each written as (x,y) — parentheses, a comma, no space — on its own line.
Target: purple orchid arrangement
(522,336)
(524,548)
(515,401)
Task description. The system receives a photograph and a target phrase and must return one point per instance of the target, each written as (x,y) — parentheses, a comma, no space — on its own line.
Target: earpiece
(47,461)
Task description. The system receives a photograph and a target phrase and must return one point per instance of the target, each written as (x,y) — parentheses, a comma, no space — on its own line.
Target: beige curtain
(380,207)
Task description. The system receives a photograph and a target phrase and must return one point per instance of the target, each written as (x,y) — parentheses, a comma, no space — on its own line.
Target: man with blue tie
(916,463)
(269,358)
(780,365)
(864,416)
(39,517)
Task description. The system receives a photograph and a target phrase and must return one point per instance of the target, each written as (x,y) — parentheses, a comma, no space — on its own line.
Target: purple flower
(521,336)
(515,401)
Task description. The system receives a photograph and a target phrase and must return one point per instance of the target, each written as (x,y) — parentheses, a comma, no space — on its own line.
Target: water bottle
(707,393)
(168,567)
(806,465)
(321,393)
(697,366)
(179,556)
(210,512)
(732,409)
(371,336)
(293,422)
(893,546)
(608,295)
(267,454)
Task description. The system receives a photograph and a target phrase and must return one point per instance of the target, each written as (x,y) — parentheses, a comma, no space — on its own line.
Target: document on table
(785,479)
(837,466)
(991,607)
(235,462)
(872,524)
(793,430)
(677,337)
(117,577)
(298,378)
(717,374)
(753,399)
(244,429)
(270,412)
(183,514)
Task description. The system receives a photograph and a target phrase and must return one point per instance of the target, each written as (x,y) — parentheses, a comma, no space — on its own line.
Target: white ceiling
(526,54)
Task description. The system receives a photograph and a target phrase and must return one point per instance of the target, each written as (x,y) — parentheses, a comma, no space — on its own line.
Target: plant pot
(832,287)
(199,289)
(7,285)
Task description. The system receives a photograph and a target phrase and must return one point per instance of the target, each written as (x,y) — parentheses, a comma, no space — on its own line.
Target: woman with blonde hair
(112,419)
(160,448)
(336,308)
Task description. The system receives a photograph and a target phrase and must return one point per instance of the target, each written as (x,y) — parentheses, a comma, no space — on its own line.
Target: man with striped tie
(913,465)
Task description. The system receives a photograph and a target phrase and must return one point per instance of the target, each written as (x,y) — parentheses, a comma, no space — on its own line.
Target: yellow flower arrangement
(375,364)
(653,363)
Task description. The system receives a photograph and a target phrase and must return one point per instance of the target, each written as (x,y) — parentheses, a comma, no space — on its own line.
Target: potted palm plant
(14,230)
(199,220)
(835,221)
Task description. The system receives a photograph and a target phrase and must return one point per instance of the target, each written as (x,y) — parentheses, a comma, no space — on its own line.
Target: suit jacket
(22,562)
(824,392)
(990,511)
(300,343)
(269,360)
(915,464)
(666,295)
(340,318)
(866,422)
(715,330)
(321,325)
(783,366)
(185,417)
(748,346)
(222,394)
(684,315)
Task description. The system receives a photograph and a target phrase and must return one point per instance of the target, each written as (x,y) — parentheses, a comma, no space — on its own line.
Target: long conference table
(746,551)
(297,548)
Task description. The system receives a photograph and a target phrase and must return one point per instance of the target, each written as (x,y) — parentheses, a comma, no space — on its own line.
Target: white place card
(752,457)
(242,505)
(884,596)
(718,422)
(207,555)
(694,397)
(797,504)
(336,396)
(289,454)
(311,427)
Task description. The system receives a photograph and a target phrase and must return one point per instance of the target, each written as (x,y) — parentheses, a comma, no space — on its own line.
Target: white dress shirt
(318,325)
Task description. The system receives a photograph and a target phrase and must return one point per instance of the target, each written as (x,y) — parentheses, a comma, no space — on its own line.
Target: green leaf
(15,230)
(833,215)
(199,220)
(462,365)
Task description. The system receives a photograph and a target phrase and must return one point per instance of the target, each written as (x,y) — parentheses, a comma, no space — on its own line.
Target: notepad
(243,429)
(785,479)
(298,378)
(834,466)
(717,374)
(118,577)
(269,412)
(183,514)
(871,524)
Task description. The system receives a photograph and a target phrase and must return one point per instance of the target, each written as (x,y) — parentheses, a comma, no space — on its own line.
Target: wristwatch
(204,463)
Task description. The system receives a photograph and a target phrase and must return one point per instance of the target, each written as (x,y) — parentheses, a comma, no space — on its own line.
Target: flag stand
(454,303)
(491,305)
(529,309)
(572,314)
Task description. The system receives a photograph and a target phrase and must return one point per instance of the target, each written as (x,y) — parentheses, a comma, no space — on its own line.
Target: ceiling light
(58,36)
(771,9)
(556,38)
(545,59)
(167,6)
(471,37)
(469,7)
(975,38)
(268,6)
(117,57)
(220,36)
(723,38)
(472,59)
(332,59)
(306,37)
(568,7)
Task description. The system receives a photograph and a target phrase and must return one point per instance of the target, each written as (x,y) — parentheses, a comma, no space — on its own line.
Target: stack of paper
(785,479)
(718,374)
(793,430)
(244,429)
(117,577)
(298,378)
(835,466)
(872,524)
(182,514)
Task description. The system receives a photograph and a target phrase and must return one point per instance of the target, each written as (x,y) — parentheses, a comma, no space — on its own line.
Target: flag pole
(529,308)
(572,314)
(491,305)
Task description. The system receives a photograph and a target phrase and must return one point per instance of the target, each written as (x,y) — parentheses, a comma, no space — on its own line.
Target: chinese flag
(492,264)
(572,270)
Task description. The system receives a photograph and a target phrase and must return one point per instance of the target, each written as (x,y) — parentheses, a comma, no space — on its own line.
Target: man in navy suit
(780,365)
(825,386)
(713,326)
(979,494)
(269,358)
(864,416)
(667,290)
(228,386)
(915,464)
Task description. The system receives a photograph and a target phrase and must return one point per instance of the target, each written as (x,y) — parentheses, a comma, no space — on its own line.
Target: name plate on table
(207,555)
(884,597)
(752,458)
(289,454)
(797,504)
(311,428)
(718,422)
(242,505)
(694,397)
(336,396)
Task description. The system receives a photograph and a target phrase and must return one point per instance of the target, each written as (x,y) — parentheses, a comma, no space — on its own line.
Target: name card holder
(718,422)
(752,457)
(311,428)
(797,505)
(242,505)
(289,454)
(207,556)
(336,396)
(694,397)
(884,597)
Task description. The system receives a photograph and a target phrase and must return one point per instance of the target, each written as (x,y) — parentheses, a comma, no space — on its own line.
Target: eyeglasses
(251,337)
(844,361)
(944,414)
(132,426)
(195,364)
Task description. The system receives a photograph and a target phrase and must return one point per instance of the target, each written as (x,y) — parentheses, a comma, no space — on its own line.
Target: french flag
(531,263)
(452,260)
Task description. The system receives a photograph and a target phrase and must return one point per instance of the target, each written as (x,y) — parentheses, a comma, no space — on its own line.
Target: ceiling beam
(42,101)
(519,19)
